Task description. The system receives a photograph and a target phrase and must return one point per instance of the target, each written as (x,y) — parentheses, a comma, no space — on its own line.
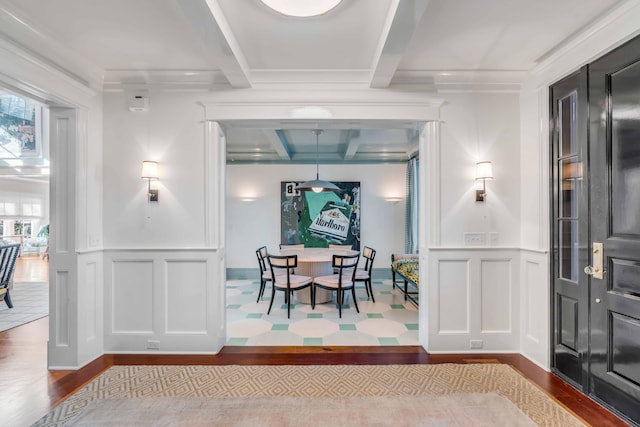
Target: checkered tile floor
(389,321)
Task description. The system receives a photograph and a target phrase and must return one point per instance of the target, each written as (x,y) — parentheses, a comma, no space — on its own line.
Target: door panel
(614,91)
(570,228)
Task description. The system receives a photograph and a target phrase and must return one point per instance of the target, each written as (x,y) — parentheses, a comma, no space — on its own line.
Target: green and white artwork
(320,219)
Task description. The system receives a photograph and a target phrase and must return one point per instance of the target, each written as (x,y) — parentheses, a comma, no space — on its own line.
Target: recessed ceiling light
(301,8)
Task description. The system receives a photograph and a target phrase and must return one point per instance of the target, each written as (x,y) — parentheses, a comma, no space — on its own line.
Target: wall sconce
(484,171)
(150,173)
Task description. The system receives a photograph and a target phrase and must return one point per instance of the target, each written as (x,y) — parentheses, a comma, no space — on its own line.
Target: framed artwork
(320,219)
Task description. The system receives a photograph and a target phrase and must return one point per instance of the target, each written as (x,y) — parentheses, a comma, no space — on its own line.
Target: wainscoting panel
(90,296)
(186,296)
(473,300)
(132,297)
(496,290)
(163,301)
(453,296)
(61,301)
(534,279)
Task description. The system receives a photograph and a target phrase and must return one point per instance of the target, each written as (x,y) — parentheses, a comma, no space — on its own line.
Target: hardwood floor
(29,390)
(31,268)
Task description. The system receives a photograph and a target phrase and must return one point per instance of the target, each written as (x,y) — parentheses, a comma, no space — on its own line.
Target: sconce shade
(484,170)
(150,170)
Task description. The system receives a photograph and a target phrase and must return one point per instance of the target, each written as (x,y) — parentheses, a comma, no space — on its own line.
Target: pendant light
(317,185)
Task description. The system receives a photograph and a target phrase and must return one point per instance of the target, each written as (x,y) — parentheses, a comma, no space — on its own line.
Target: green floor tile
(388,341)
(374,316)
(348,327)
(247,292)
(397,306)
(234,306)
(254,316)
(411,326)
(386,292)
(237,341)
(280,327)
(312,341)
(314,316)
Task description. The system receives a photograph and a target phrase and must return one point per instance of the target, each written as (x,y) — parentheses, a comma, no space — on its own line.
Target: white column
(215,173)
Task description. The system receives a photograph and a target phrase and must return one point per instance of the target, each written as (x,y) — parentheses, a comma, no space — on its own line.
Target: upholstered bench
(407,266)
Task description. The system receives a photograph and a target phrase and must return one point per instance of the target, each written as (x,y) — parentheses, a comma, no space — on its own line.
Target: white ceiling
(121,44)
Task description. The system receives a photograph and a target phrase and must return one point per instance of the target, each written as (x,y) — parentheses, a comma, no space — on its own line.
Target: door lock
(596,270)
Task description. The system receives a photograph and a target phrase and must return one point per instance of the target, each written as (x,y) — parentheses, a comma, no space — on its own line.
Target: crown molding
(444,81)
(613,29)
(164,80)
(43,48)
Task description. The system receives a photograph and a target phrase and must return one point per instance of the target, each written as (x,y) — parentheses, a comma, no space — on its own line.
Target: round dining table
(315,262)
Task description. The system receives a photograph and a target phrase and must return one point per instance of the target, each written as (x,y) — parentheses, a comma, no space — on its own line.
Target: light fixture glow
(484,171)
(317,185)
(150,173)
(301,8)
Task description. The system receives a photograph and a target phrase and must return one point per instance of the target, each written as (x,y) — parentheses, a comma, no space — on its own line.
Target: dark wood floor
(29,390)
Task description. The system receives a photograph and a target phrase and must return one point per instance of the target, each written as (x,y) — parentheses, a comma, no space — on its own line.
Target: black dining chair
(282,279)
(340,282)
(364,274)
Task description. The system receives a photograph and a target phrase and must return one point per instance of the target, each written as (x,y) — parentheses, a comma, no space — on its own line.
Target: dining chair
(286,281)
(8,257)
(265,276)
(340,282)
(283,246)
(364,274)
(343,247)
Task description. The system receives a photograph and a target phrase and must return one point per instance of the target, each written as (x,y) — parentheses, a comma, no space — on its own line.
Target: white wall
(477,127)
(163,278)
(473,291)
(172,133)
(251,225)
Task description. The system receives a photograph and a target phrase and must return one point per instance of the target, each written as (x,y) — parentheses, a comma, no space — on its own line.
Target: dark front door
(614,301)
(570,228)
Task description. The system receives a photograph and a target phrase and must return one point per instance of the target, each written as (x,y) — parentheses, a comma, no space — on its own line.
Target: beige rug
(440,395)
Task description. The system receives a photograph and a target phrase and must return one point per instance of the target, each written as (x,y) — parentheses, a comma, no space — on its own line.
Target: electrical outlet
(474,239)
(153,345)
(475,344)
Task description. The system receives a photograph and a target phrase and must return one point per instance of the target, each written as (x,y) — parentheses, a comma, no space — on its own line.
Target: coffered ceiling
(120,45)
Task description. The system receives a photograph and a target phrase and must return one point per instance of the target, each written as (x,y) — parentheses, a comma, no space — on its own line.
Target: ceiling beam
(402,22)
(210,24)
(353,143)
(278,141)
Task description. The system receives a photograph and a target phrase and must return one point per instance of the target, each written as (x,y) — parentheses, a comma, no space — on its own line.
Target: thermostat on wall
(139,104)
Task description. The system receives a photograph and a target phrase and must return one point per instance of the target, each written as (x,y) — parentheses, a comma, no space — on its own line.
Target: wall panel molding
(169,284)
(534,307)
(481,291)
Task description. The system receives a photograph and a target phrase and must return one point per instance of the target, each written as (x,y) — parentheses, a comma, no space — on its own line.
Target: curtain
(411,215)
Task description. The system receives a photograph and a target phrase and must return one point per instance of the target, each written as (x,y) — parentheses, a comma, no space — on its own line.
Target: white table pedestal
(314,269)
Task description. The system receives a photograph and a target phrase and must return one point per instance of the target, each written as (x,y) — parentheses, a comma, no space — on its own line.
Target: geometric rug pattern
(141,382)
(390,321)
(30,302)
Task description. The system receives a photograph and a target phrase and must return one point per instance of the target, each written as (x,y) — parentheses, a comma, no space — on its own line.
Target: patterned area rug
(137,386)
(30,302)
